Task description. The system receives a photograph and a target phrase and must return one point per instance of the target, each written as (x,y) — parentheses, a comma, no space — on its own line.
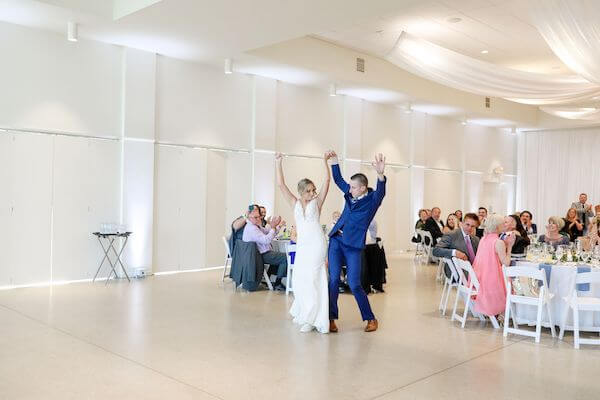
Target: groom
(347,238)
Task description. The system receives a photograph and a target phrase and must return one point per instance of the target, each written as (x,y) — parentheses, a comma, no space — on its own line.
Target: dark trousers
(278,259)
(339,255)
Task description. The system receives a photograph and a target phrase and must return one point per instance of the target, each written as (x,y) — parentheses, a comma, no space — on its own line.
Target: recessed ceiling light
(72,31)
(484,51)
(333,90)
(228,66)
(454,20)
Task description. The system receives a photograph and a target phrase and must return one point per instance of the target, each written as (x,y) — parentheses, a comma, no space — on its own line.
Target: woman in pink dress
(492,253)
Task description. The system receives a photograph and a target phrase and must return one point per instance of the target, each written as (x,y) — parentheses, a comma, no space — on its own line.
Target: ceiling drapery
(572,30)
(581,113)
(472,75)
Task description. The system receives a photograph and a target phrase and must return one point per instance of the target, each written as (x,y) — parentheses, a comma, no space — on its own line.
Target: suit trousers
(278,259)
(339,255)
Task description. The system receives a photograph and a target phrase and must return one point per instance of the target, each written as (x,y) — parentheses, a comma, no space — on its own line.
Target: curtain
(572,30)
(472,75)
(554,168)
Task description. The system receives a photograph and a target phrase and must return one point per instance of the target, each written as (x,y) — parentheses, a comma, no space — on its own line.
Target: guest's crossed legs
(342,255)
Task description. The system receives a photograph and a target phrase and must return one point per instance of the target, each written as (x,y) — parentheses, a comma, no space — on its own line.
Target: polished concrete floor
(187,336)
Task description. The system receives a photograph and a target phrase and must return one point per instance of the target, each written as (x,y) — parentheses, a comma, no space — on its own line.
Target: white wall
(177,150)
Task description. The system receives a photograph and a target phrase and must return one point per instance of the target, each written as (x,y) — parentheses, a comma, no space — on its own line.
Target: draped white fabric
(583,113)
(472,75)
(554,168)
(572,30)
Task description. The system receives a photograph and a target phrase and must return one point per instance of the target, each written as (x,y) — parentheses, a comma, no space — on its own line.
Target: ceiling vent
(360,64)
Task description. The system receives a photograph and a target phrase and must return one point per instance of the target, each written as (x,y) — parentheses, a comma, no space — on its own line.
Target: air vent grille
(360,64)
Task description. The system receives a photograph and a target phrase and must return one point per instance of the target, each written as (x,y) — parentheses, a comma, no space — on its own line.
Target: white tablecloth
(280,244)
(562,279)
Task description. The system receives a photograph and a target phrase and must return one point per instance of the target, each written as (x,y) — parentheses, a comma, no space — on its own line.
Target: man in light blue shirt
(254,232)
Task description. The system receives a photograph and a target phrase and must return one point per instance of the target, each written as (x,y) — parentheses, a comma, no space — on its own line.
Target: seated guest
(237,227)
(451,224)
(527,221)
(492,253)
(254,232)
(434,224)
(459,215)
(420,225)
(263,216)
(512,224)
(461,243)
(334,219)
(592,239)
(573,226)
(553,236)
(482,214)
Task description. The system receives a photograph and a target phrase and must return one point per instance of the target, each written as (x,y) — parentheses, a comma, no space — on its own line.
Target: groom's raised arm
(337,173)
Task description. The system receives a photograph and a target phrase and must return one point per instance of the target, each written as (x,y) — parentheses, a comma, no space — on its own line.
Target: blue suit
(347,240)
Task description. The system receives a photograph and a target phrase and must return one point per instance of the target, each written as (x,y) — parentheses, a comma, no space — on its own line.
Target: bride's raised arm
(325,186)
(287,194)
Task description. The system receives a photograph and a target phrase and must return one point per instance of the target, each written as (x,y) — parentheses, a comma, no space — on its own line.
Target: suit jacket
(581,213)
(432,227)
(454,241)
(357,215)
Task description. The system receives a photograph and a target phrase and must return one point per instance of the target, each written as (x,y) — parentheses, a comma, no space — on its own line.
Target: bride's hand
(278,156)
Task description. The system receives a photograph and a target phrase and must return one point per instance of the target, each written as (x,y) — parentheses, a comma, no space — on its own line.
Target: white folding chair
(289,248)
(577,303)
(542,301)
(427,245)
(439,275)
(227,258)
(467,288)
(449,283)
(418,245)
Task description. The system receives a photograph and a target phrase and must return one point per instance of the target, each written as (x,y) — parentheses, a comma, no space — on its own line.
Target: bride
(310,308)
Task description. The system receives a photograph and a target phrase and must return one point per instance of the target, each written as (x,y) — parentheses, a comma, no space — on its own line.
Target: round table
(561,283)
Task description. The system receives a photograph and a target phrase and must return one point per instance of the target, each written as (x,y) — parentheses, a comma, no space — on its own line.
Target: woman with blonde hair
(492,253)
(310,308)
(452,223)
(553,236)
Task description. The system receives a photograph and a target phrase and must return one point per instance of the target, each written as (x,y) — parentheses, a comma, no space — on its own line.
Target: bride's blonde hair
(303,185)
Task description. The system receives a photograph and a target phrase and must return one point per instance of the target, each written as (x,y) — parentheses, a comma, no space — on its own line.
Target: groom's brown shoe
(332,326)
(371,325)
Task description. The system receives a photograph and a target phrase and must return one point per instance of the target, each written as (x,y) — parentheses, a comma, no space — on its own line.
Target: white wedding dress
(309,279)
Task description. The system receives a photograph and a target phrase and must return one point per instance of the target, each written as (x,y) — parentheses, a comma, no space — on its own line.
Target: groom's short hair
(361,178)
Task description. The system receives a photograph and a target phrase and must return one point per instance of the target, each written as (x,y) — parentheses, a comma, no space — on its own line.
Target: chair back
(290,248)
(426,238)
(467,277)
(454,277)
(587,277)
(227,249)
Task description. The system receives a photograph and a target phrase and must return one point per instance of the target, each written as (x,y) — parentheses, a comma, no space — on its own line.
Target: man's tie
(470,251)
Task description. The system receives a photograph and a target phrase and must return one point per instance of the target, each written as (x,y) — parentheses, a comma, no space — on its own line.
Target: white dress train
(309,279)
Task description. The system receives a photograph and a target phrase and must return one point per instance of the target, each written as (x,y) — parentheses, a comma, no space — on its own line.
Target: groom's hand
(379,165)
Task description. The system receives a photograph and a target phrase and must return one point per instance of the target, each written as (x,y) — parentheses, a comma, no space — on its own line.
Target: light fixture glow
(463,121)
(72,31)
(484,51)
(513,130)
(454,20)
(408,109)
(228,69)
(332,90)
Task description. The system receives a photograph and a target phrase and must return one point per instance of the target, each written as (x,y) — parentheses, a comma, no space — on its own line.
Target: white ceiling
(208,31)
(499,26)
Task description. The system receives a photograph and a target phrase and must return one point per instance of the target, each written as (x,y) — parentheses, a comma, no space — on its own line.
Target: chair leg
(576,327)
(538,322)
(455,304)
(494,321)
(563,322)
(552,330)
(288,282)
(466,312)
(443,295)
(447,298)
(513,309)
(225,268)
(268,280)
(506,317)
